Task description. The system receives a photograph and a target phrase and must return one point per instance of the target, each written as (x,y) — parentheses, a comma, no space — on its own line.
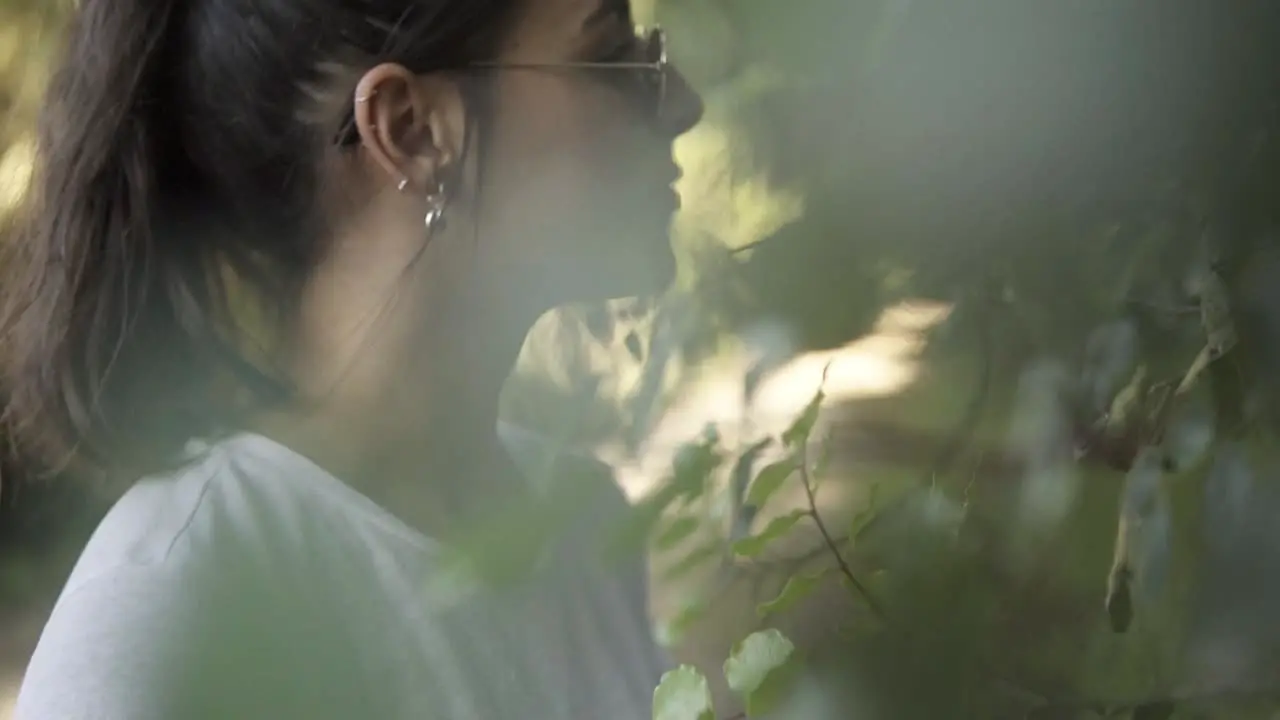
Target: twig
(830,542)
(797,562)
(831,545)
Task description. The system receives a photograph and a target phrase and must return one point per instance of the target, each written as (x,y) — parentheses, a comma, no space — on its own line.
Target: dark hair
(179,154)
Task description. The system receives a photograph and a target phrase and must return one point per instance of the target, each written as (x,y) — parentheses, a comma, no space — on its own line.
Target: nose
(683,107)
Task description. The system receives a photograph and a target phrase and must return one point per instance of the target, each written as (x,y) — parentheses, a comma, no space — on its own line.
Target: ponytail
(94,310)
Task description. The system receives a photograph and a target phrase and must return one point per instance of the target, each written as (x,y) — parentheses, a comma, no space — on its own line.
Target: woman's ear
(412,126)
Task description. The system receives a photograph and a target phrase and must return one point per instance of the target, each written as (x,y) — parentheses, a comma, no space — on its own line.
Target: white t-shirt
(253,584)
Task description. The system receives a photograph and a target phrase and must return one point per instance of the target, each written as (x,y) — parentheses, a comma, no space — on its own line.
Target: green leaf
(694,462)
(500,545)
(798,434)
(756,544)
(769,481)
(761,670)
(672,631)
(683,694)
(633,532)
(798,587)
(694,559)
(676,532)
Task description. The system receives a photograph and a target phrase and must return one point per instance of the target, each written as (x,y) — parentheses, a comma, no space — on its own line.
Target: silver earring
(404,183)
(366,98)
(435,208)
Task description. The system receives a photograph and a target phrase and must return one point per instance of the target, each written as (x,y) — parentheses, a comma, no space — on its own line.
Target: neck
(452,441)
(464,375)
(419,434)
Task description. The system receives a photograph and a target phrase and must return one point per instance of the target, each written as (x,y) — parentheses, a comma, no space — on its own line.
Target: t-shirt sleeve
(145,643)
(166,641)
(121,645)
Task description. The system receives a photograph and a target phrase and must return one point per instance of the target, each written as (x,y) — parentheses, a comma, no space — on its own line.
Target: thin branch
(830,542)
(832,545)
(796,562)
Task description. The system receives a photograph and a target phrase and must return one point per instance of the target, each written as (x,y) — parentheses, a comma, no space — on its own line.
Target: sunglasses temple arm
(567,66)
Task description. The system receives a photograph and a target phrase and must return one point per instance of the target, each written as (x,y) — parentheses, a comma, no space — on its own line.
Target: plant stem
(830,540)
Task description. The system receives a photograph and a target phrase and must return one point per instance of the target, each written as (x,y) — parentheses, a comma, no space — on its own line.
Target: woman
(277,244)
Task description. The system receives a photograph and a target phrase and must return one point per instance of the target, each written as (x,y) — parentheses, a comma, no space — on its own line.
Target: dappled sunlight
(560,350)
(882,364)
(722,197)
(571,380)
(15,172)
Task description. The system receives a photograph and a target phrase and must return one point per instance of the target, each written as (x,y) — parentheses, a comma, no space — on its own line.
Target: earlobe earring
(435,208)
(436,202)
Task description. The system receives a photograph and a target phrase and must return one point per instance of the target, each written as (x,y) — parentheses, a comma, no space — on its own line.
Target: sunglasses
(649,68)
(643,78)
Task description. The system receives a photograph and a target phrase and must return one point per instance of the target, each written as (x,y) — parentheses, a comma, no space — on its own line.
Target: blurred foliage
(1089,186)
(1054,171)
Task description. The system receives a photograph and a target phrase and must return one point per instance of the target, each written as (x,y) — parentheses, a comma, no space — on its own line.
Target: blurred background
(1026,239)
